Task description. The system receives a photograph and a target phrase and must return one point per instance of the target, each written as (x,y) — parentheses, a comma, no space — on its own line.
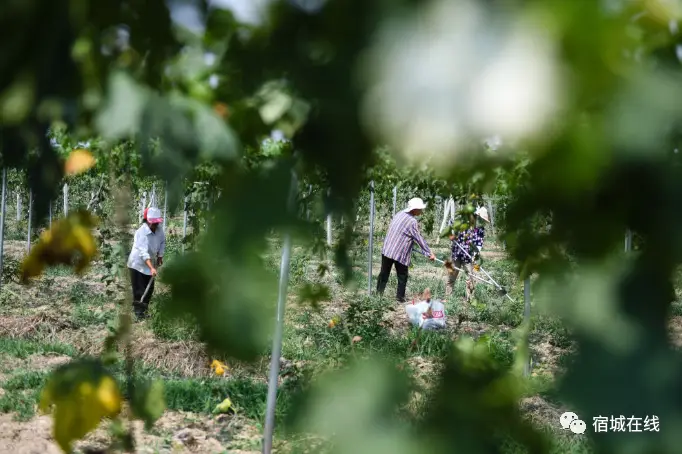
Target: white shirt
(148,245)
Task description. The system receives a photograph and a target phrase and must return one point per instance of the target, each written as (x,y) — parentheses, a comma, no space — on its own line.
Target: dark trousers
(140,282)
(401,271)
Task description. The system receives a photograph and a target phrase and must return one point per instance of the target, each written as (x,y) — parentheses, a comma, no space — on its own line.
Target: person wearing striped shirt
(402,233)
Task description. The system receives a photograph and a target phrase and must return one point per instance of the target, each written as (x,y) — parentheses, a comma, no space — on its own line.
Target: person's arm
(478,242)
(162,248)
(419,239)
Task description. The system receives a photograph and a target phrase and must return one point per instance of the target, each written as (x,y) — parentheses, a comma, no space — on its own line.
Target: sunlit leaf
(82,394)
(122,114)
(79,161)
(69,242)
(148,401)
(224,406)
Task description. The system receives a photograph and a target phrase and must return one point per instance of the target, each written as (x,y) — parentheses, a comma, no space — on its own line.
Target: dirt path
(174,433)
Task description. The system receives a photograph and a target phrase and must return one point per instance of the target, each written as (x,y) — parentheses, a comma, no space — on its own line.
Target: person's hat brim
(155,221)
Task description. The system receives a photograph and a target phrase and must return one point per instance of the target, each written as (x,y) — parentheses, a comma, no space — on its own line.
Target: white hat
(415,204)
(482,213)
(154,216)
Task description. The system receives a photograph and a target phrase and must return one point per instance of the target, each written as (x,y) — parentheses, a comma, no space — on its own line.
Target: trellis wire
(526,317)
(277,339)
(30,211)
(371,237)
(3,208)
(165,204)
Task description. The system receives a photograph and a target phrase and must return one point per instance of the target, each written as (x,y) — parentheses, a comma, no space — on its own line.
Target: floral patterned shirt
(470,239)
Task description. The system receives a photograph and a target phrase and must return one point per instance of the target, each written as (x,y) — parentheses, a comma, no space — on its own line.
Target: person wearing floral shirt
(471,240)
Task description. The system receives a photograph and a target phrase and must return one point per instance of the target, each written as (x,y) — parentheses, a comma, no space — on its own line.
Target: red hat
(144,216)
(154,216)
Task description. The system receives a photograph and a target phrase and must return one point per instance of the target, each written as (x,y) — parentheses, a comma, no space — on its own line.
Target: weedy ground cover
(60,317)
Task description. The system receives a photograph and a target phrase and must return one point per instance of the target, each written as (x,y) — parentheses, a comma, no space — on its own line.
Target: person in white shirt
(146,255)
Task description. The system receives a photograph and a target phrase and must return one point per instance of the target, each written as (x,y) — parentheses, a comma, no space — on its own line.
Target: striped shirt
(402,234)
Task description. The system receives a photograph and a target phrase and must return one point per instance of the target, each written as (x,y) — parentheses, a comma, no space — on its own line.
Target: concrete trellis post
(448,213)
(395,198)
(143,205)
(3,210)
(165,205)
(329,229)
(526,316)
(30,213)
(184,225)
(18,206)
(329,226)
(491,213)
(277,338)
(50,214)
(66,199)
(370,248)
(628,240)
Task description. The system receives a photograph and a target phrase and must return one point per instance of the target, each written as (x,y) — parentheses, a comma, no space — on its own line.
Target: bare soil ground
(41,313)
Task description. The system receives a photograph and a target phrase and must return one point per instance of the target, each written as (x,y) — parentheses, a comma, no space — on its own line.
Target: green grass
(168,328)
(22,392)
(307,337)
(23,348)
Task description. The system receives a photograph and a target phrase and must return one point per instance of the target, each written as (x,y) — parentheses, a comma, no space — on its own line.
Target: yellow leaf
(79,161)
(109,396)
(80,410)
(69,238)
(218,367)
(84,240)
(221,109)
(46,398)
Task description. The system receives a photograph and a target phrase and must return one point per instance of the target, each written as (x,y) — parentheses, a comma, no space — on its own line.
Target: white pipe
(3,205)
(271,404)
(30,209)
(66,199)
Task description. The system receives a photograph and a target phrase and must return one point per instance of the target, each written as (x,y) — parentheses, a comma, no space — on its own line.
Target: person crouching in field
(145,256)
(471,240)
(402,233)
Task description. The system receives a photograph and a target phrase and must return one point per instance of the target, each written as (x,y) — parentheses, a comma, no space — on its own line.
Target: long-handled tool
(499,287)
(465,272)
(149,285)
(462,271)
